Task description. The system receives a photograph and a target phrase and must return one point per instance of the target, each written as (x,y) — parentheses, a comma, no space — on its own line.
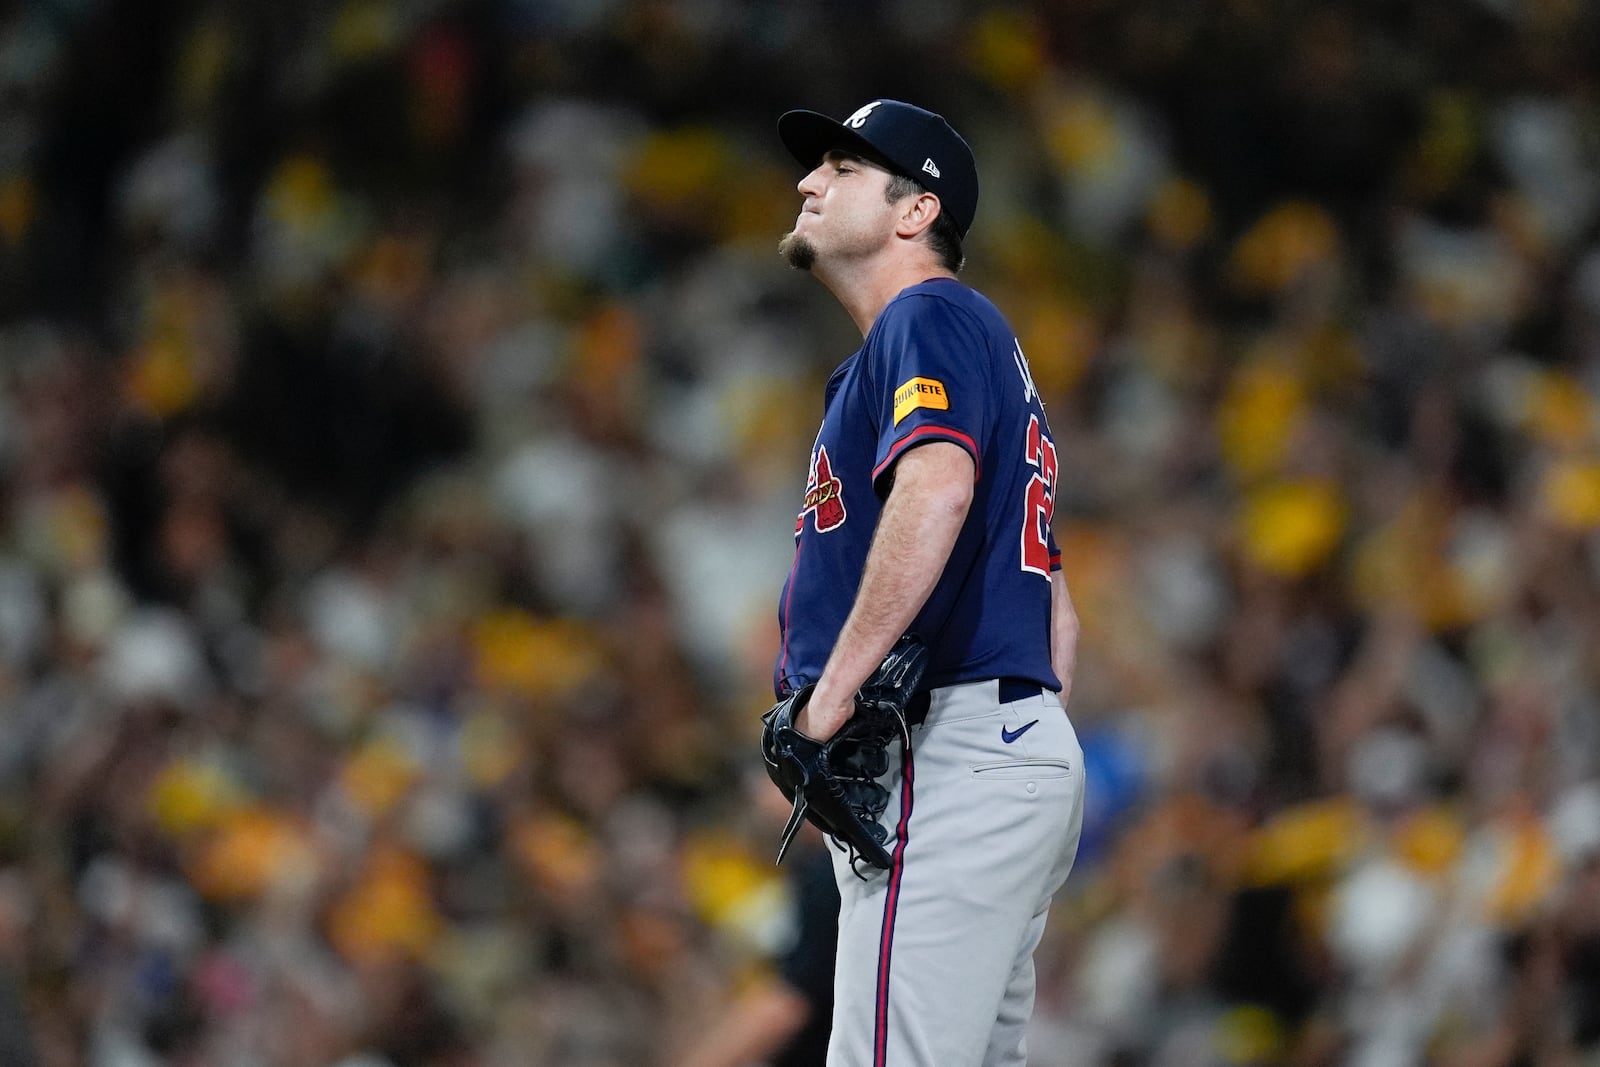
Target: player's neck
(865,287)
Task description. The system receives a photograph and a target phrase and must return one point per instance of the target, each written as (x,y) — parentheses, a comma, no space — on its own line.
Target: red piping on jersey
(945,432)
(891,904)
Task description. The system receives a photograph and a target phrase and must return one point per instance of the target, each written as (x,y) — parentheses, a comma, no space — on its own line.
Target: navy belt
(1018,689)
(1010,689)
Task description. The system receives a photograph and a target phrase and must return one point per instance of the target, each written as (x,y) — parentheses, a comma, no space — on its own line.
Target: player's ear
(919,214)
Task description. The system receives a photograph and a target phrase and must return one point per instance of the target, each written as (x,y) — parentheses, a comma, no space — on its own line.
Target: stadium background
(403,413)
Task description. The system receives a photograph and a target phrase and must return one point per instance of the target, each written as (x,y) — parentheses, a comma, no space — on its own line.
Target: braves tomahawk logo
(824,495)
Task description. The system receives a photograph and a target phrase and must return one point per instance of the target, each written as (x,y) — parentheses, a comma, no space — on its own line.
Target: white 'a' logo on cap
(859,119)
(930,167)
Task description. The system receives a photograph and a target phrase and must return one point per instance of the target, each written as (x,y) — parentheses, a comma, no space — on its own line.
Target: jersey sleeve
(928,365)
(1055,550)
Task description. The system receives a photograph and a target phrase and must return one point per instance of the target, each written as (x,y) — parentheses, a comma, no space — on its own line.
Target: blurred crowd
(403,413)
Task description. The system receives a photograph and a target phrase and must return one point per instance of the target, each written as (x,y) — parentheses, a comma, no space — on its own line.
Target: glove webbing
(797,815)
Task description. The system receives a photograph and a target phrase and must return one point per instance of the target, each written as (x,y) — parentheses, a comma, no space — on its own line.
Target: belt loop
(917,708)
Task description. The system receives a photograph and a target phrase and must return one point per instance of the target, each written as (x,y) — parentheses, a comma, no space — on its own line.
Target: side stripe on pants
(880,1040)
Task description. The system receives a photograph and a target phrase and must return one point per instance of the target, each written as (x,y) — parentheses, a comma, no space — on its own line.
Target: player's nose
(811,184)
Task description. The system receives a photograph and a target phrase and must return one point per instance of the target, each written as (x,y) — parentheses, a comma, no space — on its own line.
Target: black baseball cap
(903,137)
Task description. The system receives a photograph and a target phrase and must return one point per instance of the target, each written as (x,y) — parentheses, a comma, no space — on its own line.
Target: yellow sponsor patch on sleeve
(919,393)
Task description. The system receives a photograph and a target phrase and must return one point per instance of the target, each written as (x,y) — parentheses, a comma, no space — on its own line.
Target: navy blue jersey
(939,364)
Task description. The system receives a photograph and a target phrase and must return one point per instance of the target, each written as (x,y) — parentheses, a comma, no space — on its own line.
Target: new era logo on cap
(905,138)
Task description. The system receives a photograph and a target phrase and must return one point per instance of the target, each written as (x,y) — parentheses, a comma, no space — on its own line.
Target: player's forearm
(1063,633)
(918,528)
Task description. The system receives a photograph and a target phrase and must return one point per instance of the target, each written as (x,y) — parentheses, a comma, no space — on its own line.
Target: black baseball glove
(834,783)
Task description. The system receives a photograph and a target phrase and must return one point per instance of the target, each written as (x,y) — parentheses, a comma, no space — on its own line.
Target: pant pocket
(1023,768)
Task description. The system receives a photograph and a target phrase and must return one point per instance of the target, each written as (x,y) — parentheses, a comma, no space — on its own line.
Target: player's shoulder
(944,292)
(944,300)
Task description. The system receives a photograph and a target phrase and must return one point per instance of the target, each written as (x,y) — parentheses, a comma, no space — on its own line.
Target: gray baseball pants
(935,962)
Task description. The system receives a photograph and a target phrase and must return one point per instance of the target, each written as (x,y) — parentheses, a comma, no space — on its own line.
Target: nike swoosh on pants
(1009,736)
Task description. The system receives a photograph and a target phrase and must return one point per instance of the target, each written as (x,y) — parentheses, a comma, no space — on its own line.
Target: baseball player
(927,512)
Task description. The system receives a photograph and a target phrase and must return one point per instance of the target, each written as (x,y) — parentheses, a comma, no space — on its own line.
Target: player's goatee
(797,250)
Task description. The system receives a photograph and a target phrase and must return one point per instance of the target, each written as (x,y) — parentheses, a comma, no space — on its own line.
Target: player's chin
(798,252)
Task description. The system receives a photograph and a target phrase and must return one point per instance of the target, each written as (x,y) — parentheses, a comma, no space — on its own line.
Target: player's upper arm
(937,470)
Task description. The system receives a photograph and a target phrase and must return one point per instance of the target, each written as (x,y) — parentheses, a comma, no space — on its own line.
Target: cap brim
(809,136)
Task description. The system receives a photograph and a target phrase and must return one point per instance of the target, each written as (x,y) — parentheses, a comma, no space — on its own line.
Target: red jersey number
(1041,500)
